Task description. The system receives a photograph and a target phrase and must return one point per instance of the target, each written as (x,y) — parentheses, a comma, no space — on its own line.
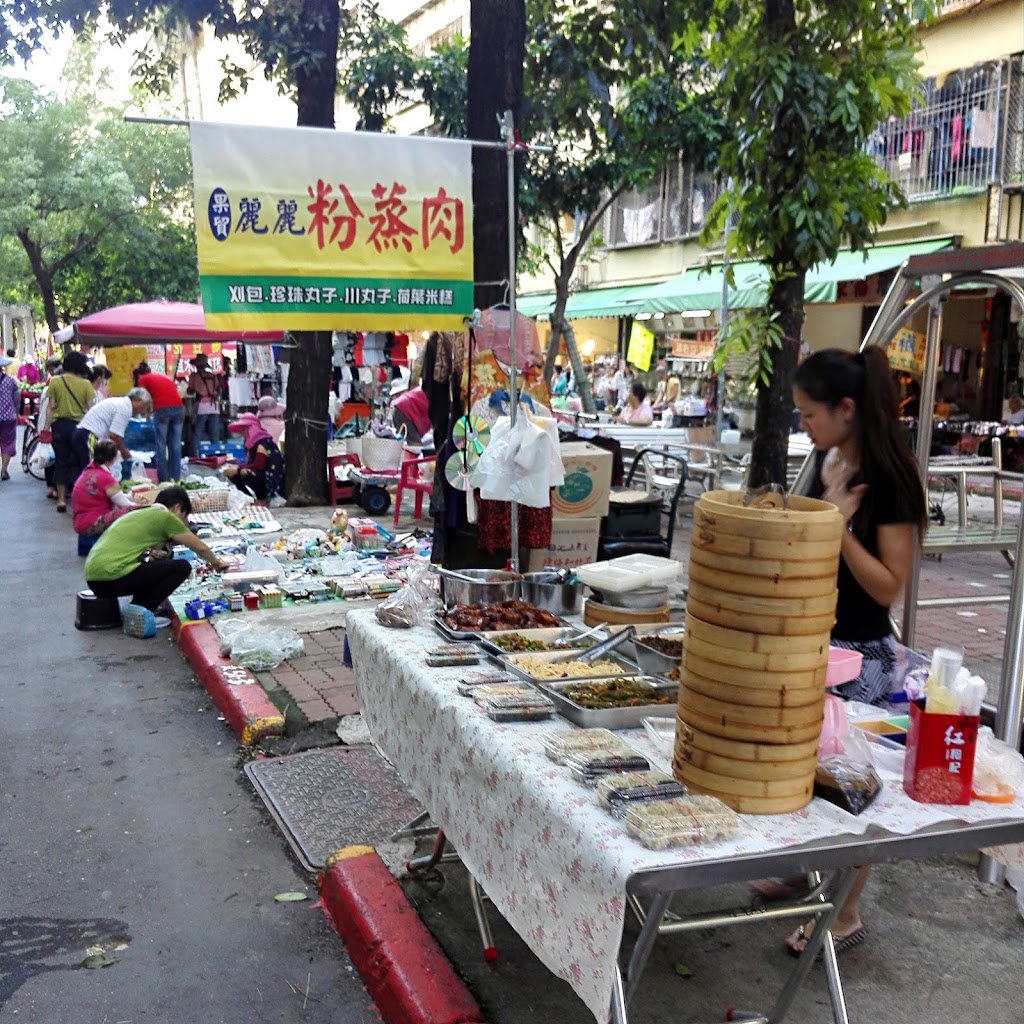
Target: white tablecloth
(553,862)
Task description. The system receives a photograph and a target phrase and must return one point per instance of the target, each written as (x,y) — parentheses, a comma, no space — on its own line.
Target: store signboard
(693,348)
(120,362)
(641,347)
(906,351)
(306,228)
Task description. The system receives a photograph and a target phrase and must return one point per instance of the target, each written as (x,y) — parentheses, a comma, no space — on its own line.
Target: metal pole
(723,312)
(508,137)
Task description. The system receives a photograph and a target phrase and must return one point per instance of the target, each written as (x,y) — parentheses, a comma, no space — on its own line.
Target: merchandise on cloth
(522,462)
(494,526)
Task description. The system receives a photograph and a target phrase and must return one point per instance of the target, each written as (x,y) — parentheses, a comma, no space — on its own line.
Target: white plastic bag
(998,768)
(139,471)
(260,561)
(43,457)
(265,649)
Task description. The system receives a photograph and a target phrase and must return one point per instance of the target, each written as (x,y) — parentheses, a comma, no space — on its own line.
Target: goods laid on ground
(755,649)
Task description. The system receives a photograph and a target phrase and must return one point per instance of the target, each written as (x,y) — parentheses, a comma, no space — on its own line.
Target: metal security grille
(1013,151)
(956,139)
(688,198)
(635,217)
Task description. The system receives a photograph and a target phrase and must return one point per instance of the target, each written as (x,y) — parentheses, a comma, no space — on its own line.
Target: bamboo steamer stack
(759,611)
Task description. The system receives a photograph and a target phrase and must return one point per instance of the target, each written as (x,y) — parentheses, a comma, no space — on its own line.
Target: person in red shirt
(168,417)
(409,409)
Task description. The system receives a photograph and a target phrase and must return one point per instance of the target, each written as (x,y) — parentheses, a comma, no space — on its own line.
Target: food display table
(563,872)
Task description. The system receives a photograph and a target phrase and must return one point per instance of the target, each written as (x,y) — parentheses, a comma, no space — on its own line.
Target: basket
(213,499)
(382,453)
(143,495)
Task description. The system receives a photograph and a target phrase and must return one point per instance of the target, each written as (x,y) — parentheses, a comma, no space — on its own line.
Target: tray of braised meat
(467,621)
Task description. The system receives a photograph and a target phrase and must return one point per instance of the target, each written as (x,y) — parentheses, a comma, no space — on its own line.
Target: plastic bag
(834,728)
(43,457)
(264,649)
(139,471)
(227,630)
(260,561)
(414,604)
(848,778)
(998,769)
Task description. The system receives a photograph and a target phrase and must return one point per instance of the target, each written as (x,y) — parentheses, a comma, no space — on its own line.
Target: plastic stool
(85,544)
(94,612)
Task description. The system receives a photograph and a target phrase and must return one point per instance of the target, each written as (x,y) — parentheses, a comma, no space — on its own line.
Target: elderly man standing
(110,418)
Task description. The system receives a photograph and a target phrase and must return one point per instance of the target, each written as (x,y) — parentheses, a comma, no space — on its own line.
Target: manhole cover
(325,800)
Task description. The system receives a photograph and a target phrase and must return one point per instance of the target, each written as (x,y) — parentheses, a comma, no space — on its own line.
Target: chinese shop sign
(306,228)
(906,351)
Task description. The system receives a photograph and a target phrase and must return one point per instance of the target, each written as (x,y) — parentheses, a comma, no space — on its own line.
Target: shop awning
(700,288)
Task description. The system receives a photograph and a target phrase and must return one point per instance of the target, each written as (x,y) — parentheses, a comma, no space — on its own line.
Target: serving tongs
(588,654)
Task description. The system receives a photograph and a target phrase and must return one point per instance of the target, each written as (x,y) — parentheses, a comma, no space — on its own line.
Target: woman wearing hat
(206,388)
(10,395)
(269,412)
(262,475)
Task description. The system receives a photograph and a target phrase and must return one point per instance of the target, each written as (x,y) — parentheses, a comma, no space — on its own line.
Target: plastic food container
(560,745)
(526,707)
(588,768)
(843,666)
(630,572)
(685,821)
(617,793)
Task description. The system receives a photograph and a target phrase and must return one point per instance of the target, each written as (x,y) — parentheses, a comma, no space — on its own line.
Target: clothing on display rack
(494,526)
(494,335)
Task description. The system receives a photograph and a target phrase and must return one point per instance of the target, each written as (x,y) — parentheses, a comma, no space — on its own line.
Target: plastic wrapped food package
(560,745)
(617,793)
(593,765)
(847,782)
(685,821)
(483,693)
(524,707)
(452,654)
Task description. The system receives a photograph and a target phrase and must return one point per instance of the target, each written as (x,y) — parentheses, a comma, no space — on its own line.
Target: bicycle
(29,443)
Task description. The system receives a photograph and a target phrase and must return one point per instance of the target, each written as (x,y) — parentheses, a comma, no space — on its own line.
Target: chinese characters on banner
(305,228)
(120,362)
(906,351)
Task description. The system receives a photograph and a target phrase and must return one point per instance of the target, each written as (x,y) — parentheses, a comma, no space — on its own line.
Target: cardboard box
(939,766)
(573,542)
(588,480)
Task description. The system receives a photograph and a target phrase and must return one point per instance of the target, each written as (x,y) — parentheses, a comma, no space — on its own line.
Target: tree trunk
(768,456)
(579,374)
(495,84)
(309,372)
(44,279)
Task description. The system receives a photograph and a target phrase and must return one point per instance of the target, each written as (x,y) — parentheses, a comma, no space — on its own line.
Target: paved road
(126,822)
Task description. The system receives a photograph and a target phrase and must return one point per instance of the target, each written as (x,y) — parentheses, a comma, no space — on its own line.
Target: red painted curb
(403,968)
(239,697)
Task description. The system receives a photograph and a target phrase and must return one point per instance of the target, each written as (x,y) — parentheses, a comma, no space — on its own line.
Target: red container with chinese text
(939,765)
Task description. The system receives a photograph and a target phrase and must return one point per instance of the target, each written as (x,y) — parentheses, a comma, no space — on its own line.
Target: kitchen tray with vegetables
(527,641)
(615,703)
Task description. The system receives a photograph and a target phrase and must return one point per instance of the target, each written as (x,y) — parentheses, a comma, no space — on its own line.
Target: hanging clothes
(490,376)
(494,526)
(494,334)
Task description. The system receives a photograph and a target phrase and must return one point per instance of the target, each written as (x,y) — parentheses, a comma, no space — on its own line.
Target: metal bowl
(547,590)
(478,586)
(642,597)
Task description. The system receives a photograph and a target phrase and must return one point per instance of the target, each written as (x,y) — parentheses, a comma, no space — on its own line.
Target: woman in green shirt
(130,557)
(68,396)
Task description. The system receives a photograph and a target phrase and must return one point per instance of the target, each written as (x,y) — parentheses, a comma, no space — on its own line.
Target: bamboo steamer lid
(752,604)
(797,510)
(771,789)
(595,614)
(713,539)
(765,526)
(740,750)
(730,728)
(774,567)
(780,695)
(744,641)
(776,625)
(763,586)
(777,661)
(736,675)
(733,768)
(752,714)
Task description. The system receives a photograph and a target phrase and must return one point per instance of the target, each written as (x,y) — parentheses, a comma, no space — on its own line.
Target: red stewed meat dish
(470,618)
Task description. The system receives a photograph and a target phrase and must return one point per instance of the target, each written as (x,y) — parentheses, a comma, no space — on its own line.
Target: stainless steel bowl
(478,586)
(546,590)
(643,597)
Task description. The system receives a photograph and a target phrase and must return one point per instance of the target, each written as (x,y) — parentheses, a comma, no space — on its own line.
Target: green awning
(699,288)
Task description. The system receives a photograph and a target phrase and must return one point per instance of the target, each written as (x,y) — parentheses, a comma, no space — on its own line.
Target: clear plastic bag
(413,605)
(847,778)
(998,769)
(43,457)
(259,561)
(264,649)
(227,630)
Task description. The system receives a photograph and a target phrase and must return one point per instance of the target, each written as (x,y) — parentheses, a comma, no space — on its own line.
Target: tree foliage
(81,191)
(804,84)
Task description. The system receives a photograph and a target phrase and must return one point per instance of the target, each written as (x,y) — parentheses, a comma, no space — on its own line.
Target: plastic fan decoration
(458,467)
(472,432)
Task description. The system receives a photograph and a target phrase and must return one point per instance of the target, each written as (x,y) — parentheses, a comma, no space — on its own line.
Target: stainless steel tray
(628,666)
(542,635)
(612,718)
(450,634)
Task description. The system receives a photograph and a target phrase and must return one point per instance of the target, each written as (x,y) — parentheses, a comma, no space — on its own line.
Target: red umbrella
(140,322)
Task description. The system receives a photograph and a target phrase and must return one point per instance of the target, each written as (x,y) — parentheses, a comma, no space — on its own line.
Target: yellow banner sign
(121,362)
(641,346)
(311,229)
(906,351)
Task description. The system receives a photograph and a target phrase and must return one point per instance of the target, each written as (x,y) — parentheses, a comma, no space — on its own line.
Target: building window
(634,218)
(960,137)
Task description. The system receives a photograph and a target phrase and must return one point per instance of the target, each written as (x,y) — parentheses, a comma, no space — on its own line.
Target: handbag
(383,453)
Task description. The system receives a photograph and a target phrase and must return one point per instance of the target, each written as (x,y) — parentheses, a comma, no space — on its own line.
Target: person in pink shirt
(97,499)
(28,372)
(269,412)
(637,411)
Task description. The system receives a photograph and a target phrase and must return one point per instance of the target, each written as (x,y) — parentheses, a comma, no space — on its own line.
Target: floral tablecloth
(552,861)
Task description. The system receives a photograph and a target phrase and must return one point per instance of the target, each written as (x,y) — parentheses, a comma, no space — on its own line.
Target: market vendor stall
(556,865)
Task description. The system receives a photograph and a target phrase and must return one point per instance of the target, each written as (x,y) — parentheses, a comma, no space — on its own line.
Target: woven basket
(382,453)
(211,500)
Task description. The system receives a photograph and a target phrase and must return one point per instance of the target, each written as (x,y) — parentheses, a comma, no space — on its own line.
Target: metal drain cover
(325,800)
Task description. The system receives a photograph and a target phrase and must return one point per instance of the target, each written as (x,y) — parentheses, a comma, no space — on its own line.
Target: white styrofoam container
(630,572)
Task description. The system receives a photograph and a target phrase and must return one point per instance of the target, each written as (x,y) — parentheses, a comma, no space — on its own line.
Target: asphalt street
(127,823)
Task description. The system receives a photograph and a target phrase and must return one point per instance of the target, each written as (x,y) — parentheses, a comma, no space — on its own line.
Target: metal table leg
(477,897)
